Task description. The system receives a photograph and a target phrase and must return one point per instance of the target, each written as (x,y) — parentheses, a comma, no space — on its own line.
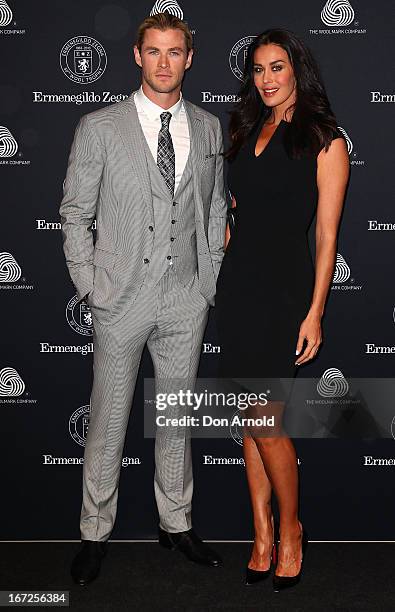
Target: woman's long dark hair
(313,123)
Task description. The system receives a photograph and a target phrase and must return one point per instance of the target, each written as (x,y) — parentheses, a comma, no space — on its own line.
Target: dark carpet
(143,576)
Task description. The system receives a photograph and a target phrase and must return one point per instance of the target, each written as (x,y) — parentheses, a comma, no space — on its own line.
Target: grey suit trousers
(171,320)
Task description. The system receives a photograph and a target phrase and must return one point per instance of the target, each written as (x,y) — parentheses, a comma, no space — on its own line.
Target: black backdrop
(44,390)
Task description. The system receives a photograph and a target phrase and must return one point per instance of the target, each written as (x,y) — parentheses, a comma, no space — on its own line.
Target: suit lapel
(133,139)
(196,131)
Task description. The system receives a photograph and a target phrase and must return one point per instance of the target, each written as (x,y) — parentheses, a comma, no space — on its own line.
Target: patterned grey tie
(166,157)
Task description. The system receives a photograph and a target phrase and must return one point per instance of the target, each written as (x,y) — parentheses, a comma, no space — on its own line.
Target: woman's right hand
(227,230)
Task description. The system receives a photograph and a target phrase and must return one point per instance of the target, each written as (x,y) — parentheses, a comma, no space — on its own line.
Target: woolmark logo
(238,54)
(5,13)
(11,384)
(83,59)
(337,13)
(8,144)
(10,271)
(167,6)
(342,270)
(332,383)
(348,139)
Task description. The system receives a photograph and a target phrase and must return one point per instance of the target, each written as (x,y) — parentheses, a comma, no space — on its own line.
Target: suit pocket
(104,259)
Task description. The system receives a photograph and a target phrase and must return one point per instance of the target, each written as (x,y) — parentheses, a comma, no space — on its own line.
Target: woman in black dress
(288,162)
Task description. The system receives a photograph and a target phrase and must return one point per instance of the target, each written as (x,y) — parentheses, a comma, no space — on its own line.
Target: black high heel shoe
(285,582)
(254,576)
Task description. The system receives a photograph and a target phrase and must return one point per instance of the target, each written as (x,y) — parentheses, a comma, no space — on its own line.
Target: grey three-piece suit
(149,279)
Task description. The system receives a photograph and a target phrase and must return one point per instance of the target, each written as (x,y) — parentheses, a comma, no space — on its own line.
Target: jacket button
(146,260)
(173,221)
(169,257)
(174,203)
(172,239)
(150,227)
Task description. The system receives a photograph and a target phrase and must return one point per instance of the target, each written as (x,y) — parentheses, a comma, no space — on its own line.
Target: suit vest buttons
(146,260)
(150,227)
(172,239)
(168,257)
(173,221)
(174,203)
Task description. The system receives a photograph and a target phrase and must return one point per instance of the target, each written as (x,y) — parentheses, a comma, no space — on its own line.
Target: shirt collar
(152,110)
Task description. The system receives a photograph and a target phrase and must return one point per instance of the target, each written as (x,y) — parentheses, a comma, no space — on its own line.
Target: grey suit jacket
(107,178)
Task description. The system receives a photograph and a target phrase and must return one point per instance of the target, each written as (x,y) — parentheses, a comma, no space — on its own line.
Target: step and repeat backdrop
(61,60)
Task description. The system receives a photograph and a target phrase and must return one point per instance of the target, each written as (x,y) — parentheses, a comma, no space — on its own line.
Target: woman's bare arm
(333,167)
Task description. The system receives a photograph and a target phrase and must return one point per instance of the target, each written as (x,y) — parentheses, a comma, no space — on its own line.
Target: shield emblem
(85,425)
(85,316)
(83,60)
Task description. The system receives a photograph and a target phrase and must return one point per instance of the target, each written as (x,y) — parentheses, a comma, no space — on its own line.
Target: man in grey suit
(150,170)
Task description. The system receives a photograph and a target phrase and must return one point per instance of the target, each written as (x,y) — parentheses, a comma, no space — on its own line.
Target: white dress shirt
(150,121)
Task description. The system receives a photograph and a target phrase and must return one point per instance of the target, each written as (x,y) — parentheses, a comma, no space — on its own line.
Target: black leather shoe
(191,545)
(86,564)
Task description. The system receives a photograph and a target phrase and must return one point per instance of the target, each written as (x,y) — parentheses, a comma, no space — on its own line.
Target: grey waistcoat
(174,225)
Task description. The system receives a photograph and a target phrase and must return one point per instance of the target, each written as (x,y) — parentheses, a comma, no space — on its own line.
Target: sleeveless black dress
(266,280)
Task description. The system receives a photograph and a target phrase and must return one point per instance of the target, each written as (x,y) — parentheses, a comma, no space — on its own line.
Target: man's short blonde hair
(164,21)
